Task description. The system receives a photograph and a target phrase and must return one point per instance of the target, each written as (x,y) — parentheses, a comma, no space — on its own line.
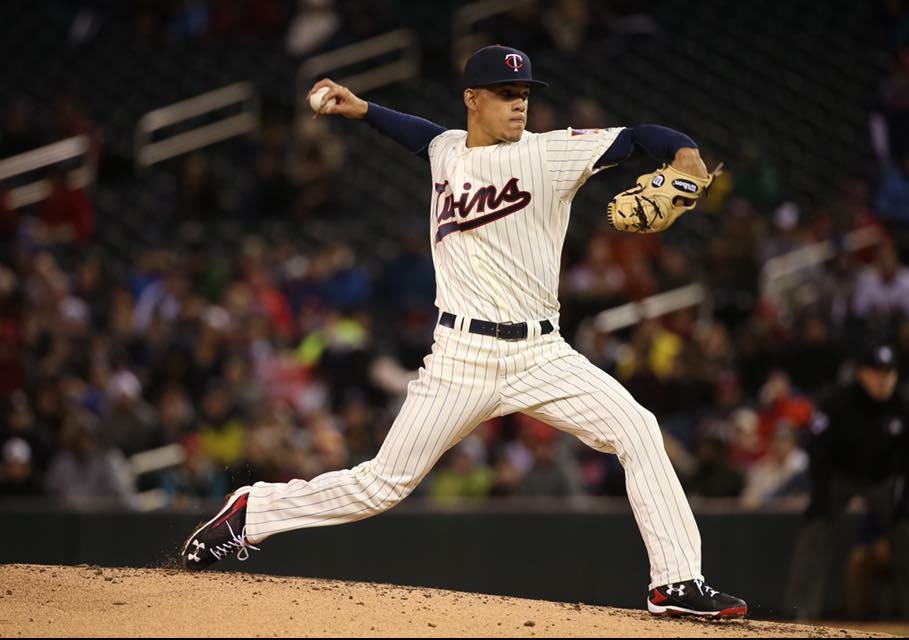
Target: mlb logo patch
(583,132)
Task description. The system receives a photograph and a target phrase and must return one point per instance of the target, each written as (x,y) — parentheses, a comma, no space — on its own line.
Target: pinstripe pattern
(455,391)
(557,385)
(508,270)
(502,267)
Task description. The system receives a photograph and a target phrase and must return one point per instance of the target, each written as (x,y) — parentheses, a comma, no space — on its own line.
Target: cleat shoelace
(702,587)
(237,543)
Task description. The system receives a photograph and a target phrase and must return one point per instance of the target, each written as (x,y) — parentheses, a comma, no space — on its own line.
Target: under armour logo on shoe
(194,556)
(675,591)
(703,587)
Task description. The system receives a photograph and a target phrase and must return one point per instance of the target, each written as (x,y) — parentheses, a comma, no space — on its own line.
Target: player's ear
(470,99)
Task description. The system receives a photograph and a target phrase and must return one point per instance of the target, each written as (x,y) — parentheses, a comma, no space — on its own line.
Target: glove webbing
(642,215)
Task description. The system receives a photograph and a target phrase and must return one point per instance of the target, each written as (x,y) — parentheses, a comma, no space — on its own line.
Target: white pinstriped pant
(467,379)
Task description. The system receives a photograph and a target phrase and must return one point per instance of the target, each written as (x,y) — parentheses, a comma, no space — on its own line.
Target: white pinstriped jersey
(499,218)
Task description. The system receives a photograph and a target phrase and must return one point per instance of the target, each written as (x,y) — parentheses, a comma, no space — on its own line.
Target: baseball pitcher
(500,201)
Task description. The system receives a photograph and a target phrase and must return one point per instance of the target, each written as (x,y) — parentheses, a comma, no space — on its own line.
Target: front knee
(385,490)
(393,492)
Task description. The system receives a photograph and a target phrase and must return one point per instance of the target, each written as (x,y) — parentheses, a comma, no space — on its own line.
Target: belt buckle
(500,337)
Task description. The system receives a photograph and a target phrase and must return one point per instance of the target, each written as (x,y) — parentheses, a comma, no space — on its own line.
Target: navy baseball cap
(498,65)
(877,355)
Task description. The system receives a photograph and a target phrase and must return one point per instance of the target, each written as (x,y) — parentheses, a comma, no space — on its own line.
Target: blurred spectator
(596,283)
(404,303)
(221,429)
(568,22)
(196,478)
(357,424)
(464,477)
(602,348)
(859,447)
(519,435)
(814,356)
(89,286)
(834,287)
(176,415)
(314,24)
(242,384)
(20,424)
(408,279)
(71,120)
(882,290)
(329,449)
(342,351)
(269,299)
(128,423)
(745,442)
(275,448)
(18,476)
(12,333)
(587,113)
(83,473)
(783,471)
(731,268)
(67,214)
(161,300)
(785,235)
(345,286)
(48,405)
(892,202)
(780,405)
(552,472)
(761,346)
(714,475)
(506,477)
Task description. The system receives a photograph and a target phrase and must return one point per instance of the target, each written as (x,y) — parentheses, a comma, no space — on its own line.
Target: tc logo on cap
(514,62)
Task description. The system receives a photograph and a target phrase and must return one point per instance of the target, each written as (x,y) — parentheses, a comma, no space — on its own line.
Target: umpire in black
(858,446)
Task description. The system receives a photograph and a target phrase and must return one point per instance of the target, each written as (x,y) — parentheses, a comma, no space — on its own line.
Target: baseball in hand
(315,100)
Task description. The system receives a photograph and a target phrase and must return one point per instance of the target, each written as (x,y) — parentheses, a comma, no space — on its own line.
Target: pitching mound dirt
(38,600)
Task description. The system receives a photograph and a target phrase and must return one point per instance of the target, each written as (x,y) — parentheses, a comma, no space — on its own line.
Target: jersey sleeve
(571,156)
(411,132)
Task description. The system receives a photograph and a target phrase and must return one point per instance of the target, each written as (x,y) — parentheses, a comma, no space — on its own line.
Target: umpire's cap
(498,65)
(876,354)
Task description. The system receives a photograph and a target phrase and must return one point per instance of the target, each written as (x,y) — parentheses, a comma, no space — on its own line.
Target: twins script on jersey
(499,218)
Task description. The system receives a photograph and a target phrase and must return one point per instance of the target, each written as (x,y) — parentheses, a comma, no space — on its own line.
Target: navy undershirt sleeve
(411,132)
(660,142)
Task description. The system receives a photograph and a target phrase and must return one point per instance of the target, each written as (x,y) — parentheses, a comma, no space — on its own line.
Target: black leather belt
(500,330)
